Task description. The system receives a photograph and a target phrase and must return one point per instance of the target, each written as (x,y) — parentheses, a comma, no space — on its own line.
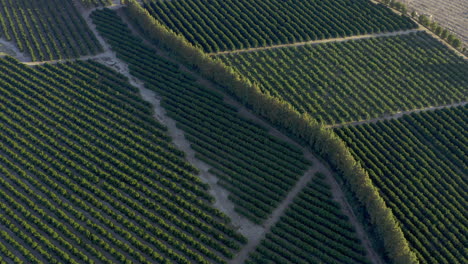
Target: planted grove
(257,169)
(88,176)
(357,80)
(95,3)
(46,29)
(220,25)
(419,164)
(312,230)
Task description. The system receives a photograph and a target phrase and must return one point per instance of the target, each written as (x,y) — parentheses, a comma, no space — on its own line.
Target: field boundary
(396,115)
(317,42)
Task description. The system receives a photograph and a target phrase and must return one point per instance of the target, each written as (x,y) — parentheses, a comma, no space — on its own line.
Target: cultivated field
(89,176)
(46,29)
(419,164)
(127,139)
(312,230)
(91,3)
(360,79)
(220,25)
(451,14)
(256,168)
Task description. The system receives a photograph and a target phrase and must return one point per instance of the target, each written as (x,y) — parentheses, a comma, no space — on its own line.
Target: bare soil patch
(452,14)
(8,48)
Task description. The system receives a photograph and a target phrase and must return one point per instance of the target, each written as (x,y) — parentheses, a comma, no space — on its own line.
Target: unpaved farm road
(396,115)
(317,166)
(315,42)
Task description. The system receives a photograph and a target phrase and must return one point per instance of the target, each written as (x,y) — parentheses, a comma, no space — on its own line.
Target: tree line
(323,141)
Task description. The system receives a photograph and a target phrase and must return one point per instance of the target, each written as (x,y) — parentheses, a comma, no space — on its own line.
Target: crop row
(229,25)
(243,155)
(313,230)
(89,176)
(357,80)
(95,3)
(421,173)
(46,29)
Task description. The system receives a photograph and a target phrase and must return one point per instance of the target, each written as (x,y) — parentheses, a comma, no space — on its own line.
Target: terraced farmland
(256,168)
(419,165)
(358,80)
(88,176)
(46,29)
(219,25)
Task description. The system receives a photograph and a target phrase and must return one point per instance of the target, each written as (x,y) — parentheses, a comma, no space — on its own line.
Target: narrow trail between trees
(396,115)
(316,42)
(105,54)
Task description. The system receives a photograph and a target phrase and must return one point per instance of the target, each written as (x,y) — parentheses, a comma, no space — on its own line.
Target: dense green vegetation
(94,3)
(46,29)
(301,125)
(88,176)
(219,25)
(357,80)
(419,164)
(255,167)
(312,230)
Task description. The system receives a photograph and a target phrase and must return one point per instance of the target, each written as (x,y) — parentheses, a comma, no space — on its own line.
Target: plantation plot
(46,29)
(88,176)
(419,164)
(357,80)
(255,167)
(313,230)
(220,25)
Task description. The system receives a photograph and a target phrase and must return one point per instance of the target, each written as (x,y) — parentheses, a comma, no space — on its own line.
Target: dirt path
(275,216)
(318,166)
(396,115)
(254,233)
(106,54)
(222,203)
(315,42)
(11,49)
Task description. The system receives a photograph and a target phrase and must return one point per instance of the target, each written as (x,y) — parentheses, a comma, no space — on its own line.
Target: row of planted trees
(116,204)
(323,141)
(257,168)
(426,21)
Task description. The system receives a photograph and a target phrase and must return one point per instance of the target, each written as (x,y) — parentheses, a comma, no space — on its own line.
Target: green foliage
(88,174)
(312,230)
(419,163)
(444,34)
(46,29)
(303,126)
(358,80)
(222,25)
(255,167)
(96,3)
(456,43)
(424,20)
